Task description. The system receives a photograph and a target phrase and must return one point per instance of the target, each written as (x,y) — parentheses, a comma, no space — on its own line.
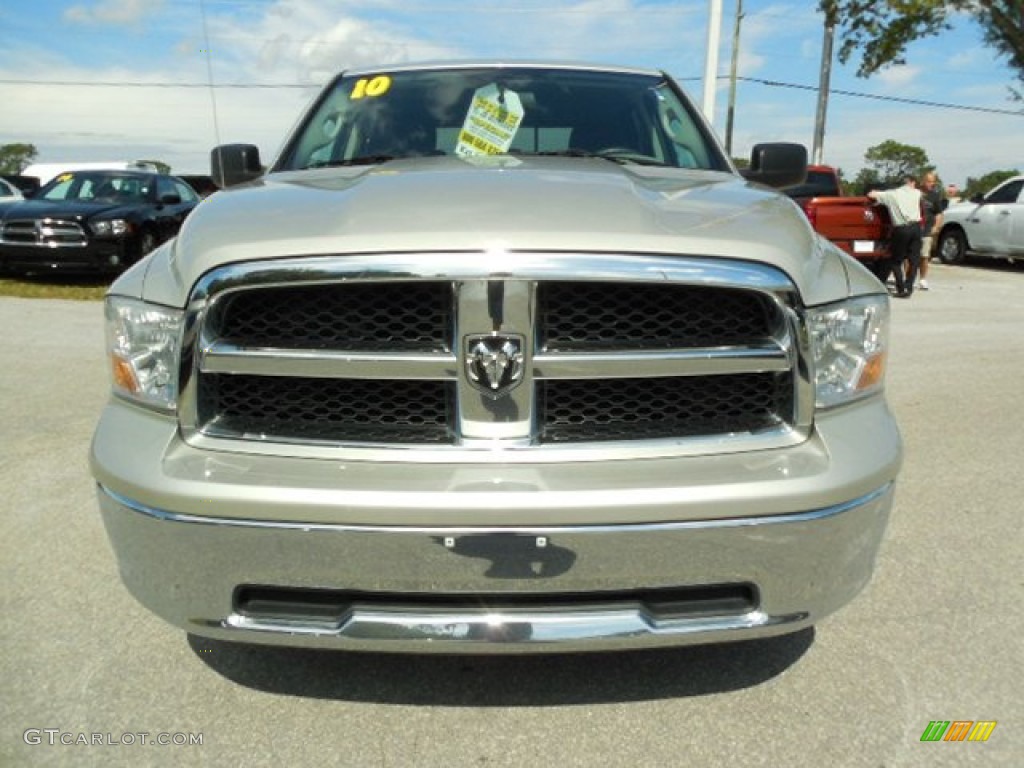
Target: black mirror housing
(778,164)
(232,164)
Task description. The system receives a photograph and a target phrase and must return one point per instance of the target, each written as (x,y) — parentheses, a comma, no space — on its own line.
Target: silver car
(497,357)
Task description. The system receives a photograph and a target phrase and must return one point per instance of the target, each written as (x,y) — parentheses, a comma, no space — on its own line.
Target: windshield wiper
(563,153)
(361,160)
(613,154)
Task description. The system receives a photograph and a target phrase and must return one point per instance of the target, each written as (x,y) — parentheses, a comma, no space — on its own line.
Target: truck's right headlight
(144,344)
(849,341)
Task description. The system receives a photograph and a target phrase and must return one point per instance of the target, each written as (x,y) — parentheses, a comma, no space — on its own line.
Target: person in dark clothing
(933,203)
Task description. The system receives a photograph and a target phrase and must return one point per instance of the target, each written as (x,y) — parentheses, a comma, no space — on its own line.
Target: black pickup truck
(92,221)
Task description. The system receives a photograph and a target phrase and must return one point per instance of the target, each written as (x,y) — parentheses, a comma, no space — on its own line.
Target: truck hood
(505,204)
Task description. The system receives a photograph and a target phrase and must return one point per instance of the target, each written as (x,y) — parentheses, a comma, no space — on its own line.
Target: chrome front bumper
(588,586)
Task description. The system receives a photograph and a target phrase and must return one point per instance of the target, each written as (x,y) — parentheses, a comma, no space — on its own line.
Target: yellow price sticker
(371,86)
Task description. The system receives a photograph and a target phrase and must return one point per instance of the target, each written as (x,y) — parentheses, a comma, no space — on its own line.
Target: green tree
(891,161)
(881,30)
(14,158)
(866,179)
(984,184)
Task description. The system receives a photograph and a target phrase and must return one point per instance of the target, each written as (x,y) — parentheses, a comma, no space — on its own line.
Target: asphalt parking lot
(938,635)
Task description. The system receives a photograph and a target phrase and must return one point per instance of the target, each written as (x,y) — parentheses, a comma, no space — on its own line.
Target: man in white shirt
(904,205)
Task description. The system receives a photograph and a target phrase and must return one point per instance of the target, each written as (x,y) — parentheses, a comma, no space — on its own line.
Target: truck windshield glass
(472,113)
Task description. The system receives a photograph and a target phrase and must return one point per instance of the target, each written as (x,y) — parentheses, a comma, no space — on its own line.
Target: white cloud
(306,41)
(995,140)
(85,122)
(968,58)
(775,32)
(898,77)
(113,12)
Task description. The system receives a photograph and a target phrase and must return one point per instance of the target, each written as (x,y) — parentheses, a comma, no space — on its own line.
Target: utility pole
(711,61)
(824,84)
(730,115)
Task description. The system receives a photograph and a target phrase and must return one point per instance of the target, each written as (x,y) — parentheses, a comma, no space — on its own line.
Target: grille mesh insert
(327,409)
(644,409)
(577,316)
(355,316)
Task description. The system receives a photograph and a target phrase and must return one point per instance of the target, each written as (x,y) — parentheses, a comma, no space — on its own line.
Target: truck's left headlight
(850,342)
(144,344)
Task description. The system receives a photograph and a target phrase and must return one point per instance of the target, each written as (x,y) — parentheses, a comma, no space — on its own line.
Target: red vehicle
(856,224)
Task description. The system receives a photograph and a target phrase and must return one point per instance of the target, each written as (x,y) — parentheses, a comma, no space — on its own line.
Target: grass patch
(80,289)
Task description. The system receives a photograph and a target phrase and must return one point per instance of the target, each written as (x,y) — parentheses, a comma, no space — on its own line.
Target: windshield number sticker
(371,87)
(491,124)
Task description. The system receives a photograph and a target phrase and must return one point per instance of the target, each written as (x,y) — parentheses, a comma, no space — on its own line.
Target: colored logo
(958,730)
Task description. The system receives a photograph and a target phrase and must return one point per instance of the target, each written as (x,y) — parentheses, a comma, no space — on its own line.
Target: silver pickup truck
(493,358)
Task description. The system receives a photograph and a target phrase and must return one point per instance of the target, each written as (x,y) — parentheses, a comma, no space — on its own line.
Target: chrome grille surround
(579,360)
(43,233)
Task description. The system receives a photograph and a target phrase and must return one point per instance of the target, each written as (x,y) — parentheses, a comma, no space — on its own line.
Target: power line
(257,86)
(876,97)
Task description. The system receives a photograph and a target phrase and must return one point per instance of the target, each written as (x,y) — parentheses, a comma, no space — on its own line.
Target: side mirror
(171,199)
(232,164)
(778,164)
(978,199)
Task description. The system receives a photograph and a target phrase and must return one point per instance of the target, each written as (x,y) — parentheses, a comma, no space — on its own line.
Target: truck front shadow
(503,681)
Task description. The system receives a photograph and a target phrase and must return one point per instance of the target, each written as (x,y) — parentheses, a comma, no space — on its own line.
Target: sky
(114,80)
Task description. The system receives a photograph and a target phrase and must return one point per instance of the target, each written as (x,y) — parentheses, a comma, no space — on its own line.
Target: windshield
(98,186)
(634,118)
(818,184)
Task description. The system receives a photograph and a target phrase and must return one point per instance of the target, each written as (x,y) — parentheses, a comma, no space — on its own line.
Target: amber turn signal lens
(873,373)
(124,377)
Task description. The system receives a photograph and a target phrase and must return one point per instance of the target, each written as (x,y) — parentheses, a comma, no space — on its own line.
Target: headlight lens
(110,227)
(850,341)
(144,343)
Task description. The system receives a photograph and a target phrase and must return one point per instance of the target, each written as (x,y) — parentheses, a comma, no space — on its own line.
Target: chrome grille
(43,233)
(365,353)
